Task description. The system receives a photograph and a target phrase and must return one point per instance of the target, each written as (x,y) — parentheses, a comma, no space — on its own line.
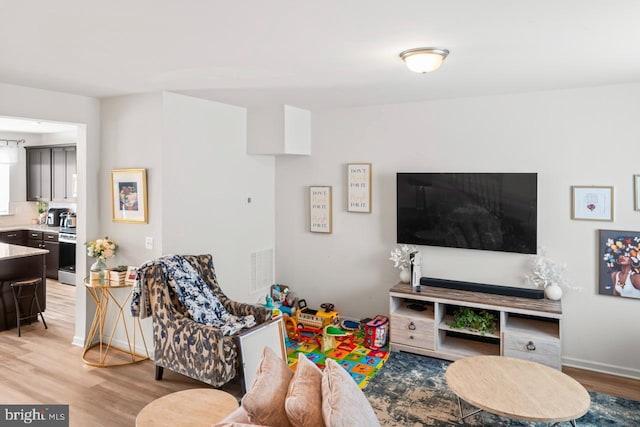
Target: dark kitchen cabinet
(63,174)
(38,174)
(14,237)
(49,241)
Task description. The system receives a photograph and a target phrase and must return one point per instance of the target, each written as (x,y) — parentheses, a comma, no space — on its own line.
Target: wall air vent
(261,270)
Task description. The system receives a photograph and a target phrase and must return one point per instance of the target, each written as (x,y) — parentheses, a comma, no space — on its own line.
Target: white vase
(405,275)
(553,292)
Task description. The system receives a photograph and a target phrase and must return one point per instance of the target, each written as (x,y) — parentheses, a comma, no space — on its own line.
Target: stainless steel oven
(67,262)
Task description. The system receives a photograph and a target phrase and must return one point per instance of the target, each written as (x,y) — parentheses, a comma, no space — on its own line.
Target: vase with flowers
(549,275)
(401,259)
(101,249)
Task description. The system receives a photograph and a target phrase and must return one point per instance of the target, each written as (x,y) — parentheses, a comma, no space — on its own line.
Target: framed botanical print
(592,203)
(129,195)
(320,209)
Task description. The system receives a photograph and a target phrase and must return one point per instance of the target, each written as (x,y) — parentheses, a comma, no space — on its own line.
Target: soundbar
(480,287)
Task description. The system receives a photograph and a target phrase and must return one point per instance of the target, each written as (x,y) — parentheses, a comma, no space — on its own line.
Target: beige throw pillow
(304,399)
(343,403)
(264,402)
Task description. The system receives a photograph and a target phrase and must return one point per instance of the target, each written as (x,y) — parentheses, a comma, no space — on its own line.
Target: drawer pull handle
(412,327)
(530,346)
(12,235)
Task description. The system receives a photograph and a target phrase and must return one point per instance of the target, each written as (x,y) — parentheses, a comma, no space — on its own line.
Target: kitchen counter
(31,227)
(19,263)
(8,251)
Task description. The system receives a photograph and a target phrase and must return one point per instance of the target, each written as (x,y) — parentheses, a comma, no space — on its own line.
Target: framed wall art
(129,195)
(592,203)
(636,192)
(320,209)
(359,187)
(619,263)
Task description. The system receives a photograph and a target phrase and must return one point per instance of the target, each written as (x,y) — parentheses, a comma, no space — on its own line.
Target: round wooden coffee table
(517,389)
(188,408)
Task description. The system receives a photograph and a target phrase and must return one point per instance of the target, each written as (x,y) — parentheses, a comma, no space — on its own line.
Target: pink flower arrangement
(101,248)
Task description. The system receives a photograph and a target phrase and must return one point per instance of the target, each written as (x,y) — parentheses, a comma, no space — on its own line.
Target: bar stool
(18,288)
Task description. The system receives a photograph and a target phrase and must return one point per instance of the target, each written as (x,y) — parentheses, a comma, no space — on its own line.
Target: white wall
(208,178)
(29,103)
(198,178)
(132,134)
(572,137)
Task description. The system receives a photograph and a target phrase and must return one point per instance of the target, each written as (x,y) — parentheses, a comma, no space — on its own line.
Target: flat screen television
(487,211)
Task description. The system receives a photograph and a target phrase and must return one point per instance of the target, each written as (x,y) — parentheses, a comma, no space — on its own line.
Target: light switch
(148,242)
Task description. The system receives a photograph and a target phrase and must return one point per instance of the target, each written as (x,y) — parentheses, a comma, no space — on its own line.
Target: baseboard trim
(78,341)
(620,371)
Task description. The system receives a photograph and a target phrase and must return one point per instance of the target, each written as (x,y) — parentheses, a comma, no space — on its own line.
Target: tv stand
(527,328)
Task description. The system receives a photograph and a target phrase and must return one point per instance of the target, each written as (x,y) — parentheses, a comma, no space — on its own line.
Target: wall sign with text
(359,187)
(320,209)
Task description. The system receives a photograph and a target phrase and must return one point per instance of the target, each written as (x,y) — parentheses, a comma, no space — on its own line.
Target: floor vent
(261,270)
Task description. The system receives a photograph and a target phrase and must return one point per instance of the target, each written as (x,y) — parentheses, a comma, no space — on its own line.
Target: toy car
(311,320)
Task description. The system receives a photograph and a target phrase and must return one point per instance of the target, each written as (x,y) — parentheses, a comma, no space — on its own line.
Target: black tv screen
(488,211)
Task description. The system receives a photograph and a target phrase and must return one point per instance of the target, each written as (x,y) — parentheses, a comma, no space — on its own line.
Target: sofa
(308,397)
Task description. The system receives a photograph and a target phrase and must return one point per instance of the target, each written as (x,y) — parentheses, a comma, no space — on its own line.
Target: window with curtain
(8,157)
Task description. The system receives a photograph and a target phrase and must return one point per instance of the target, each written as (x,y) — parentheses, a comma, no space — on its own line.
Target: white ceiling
(317,54)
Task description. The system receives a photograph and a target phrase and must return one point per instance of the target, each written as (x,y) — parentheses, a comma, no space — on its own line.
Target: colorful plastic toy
(375,332)
(308,320)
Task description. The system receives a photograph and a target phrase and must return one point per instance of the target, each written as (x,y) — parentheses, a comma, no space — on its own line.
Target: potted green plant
(481,321)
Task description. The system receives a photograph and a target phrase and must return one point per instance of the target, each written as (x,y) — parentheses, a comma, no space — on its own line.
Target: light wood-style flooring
(43,367)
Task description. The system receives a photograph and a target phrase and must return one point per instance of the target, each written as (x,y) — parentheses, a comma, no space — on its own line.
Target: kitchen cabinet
(51,174)
(38,174)
(63,174)
(13,237)
(49,241)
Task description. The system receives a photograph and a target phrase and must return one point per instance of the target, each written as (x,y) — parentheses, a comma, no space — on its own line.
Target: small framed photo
(129,195)
(359,187)
(320,209)
(592,203)
(131,273)
(636,192)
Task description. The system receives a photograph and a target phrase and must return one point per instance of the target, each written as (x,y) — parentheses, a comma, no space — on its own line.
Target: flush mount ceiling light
(424,59)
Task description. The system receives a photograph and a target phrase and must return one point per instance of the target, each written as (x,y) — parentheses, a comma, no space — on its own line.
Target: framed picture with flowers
(592,203)
(129,195)
(619,263)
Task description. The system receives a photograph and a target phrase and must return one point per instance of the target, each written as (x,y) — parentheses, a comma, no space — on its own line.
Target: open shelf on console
(411,308)
(532,325)
(465,345)
(444,326)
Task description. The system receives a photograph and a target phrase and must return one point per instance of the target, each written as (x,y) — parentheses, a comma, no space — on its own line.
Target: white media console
(527,328)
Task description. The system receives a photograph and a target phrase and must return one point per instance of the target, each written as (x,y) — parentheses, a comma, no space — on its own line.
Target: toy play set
(359,346)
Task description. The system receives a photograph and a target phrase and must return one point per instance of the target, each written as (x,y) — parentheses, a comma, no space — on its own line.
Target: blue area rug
(411,390)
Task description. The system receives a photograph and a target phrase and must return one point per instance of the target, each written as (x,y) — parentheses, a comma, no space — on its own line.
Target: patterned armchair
(185,346)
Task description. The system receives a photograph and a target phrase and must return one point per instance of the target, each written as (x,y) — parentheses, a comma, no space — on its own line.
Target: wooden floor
(43,367)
